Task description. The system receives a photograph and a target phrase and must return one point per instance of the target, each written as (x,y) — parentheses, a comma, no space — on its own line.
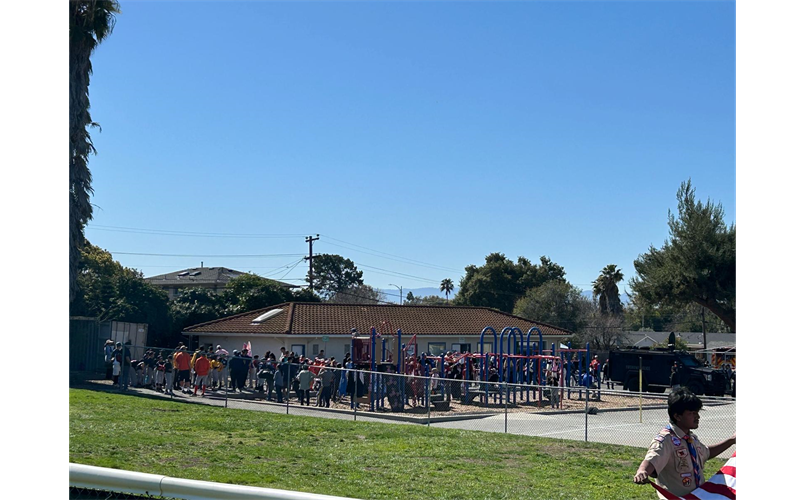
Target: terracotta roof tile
(316,318)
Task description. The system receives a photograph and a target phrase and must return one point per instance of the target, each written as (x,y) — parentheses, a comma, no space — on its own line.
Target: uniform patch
(683,464)
(685,481)
(682,453)
(659,438)
(676,441)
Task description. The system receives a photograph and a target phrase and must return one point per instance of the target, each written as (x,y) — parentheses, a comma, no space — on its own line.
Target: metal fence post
(506,409)
(227,377)
(586,410)
(288,387)
(355,395)
(427,395)
(640,386)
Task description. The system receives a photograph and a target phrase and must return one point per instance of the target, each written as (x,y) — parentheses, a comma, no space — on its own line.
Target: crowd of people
(276,376)
(283,375)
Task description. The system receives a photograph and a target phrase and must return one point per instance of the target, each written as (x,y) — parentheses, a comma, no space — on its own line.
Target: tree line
(685,285)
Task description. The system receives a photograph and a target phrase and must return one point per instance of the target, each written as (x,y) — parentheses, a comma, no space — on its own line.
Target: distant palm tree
(605,290)
(90,22)
(447,288)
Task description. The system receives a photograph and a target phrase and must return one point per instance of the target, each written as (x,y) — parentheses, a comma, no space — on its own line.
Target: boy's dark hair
(681,400)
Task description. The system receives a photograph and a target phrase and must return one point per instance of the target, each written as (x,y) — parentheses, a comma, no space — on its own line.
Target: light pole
(397,286)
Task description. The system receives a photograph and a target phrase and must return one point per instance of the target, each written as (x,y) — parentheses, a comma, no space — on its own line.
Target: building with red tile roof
(308,327)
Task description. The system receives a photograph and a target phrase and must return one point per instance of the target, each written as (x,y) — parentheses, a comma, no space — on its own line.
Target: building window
(462,348)
(487,347)
(436,348)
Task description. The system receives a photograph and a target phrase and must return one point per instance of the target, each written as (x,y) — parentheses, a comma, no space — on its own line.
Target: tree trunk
(726,315)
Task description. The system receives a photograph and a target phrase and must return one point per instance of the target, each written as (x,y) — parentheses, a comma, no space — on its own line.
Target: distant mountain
(393,295)
(589,294)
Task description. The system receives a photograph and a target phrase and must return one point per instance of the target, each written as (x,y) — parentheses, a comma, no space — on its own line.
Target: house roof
(317,318)
(694,340)
(201,276)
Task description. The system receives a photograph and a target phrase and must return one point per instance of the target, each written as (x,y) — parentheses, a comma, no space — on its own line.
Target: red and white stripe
(720,487)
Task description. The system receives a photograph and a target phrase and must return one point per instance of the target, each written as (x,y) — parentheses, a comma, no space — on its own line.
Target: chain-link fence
(95,494)
(556,406)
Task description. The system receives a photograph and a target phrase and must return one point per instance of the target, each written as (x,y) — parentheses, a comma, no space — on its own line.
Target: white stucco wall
(336,344)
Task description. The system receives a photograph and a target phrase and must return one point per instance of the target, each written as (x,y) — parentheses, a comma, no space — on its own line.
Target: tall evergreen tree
(696,264)
(334,273)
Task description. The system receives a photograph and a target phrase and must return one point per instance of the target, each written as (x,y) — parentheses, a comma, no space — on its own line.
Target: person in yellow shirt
(193,373)
(215,372)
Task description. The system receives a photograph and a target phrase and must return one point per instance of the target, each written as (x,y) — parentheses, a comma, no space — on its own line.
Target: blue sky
(415,138)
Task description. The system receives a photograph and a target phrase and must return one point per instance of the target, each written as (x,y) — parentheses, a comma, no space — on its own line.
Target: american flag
(720,487)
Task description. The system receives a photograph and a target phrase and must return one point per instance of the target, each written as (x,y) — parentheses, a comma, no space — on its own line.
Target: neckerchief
(697,474)
(693,458)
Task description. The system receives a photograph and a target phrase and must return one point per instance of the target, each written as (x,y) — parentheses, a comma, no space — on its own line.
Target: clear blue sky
(434,132)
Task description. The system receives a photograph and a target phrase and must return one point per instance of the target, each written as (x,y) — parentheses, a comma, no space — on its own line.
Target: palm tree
(447,288)
(91,21)
(605,290)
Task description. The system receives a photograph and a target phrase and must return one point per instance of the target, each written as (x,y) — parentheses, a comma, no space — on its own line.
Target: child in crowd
(115,370)
(159,380)
(169,375)
(215,372)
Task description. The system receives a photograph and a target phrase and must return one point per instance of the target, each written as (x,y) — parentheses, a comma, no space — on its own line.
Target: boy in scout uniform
(676,457)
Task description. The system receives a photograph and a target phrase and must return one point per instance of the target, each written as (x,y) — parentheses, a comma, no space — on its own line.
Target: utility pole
(704,332)
(310,240)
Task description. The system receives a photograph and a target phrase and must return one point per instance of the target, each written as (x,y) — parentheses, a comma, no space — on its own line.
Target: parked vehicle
(624,365)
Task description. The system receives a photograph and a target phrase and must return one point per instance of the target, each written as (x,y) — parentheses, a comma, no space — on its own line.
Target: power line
(291,269)
(208,255)
(404,260)
(162,232)
(278,270)
(395,273)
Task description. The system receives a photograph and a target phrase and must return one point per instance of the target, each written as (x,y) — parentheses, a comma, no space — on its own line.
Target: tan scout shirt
(671,459)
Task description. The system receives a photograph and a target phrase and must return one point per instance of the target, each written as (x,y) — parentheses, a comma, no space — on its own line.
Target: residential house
(212,278)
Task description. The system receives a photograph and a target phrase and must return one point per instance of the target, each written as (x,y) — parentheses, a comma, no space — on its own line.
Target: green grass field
(355,459)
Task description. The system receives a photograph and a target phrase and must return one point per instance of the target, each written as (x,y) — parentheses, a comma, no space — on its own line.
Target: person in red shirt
(182,362)
(594,364)
(202,368)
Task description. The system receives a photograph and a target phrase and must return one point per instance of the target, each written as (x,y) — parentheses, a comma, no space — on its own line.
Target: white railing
(140,483)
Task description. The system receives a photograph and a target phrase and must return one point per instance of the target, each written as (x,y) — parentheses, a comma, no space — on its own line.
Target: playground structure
(482,374)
